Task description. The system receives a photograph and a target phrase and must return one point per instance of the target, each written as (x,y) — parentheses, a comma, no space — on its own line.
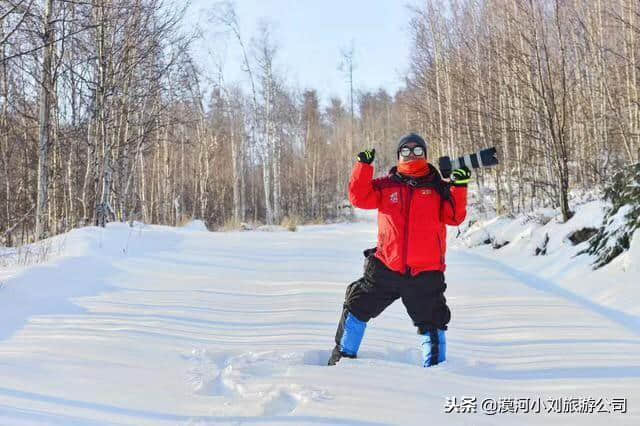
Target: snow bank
(271,228)
(195,226)
(76,264)
(631,259)
(527,232)
(540,244)
(365,215)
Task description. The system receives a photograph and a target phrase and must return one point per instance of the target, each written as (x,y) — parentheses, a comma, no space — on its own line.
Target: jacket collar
(432,178)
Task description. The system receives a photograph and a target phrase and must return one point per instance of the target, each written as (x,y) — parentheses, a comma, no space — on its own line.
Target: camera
(484,158)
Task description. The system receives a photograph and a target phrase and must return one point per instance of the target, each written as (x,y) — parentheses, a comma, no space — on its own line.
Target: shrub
(621,220)
(230,225)
(291,222)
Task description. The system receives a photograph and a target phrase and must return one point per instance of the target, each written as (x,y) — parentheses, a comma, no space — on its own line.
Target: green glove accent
(461,177)
(367,156)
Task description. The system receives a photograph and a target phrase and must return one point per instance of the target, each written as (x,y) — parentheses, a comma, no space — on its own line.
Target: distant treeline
(105,116)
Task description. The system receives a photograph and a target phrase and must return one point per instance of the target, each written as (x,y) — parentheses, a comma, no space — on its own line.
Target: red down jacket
(411,219)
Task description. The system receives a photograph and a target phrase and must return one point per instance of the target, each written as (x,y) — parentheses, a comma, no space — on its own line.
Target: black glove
(460,177)
(367,156)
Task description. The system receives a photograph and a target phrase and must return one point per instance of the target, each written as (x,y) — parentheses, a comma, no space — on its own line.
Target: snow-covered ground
(156,325)
(615,286)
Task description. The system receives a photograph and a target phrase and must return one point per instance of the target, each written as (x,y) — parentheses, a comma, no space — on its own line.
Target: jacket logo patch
(425,192)
(394,198)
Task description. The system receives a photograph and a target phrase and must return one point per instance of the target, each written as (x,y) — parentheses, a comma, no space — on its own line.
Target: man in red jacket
(414,206)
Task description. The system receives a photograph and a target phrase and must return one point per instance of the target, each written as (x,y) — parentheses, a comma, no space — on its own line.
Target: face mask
(415,168)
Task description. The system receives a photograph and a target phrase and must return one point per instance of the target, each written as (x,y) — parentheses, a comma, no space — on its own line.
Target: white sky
(310,35)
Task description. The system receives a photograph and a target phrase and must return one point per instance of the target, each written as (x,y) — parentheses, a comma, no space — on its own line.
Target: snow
(195,225)
(631,259)
(271,228)
(154,325)
(611,287)
(527,232)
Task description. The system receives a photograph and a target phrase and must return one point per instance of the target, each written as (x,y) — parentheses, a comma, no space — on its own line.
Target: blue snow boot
(434,347)
(348,337)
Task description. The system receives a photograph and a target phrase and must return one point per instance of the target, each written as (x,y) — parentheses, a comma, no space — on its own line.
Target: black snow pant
(422,296)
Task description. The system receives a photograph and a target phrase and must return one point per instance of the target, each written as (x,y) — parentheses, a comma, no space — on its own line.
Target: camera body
(484,158)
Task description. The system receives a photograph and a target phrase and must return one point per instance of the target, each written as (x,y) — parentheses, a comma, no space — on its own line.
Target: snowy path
(211,328)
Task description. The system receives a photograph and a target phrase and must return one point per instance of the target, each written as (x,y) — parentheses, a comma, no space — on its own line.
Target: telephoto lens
(484,158)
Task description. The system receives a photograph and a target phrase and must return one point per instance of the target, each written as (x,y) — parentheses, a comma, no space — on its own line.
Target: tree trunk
(46,94)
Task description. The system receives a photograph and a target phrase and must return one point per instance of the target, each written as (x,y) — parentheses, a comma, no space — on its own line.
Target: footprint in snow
(255,379)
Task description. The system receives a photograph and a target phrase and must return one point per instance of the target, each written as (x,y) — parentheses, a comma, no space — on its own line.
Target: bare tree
(46,97)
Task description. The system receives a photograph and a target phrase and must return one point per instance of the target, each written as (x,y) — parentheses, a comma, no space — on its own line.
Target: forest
(105,115)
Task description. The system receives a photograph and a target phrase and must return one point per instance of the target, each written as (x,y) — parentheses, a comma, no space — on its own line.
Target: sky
(310,35)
